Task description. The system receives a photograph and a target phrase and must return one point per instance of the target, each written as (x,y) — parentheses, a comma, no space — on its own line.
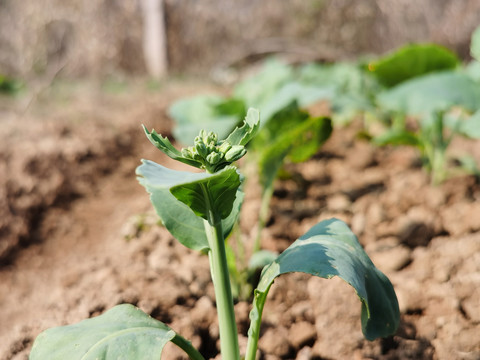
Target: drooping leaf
(427,94)
(330,249)
(207,112)
(177,217)
(412,61)
(123,332)
(475,44)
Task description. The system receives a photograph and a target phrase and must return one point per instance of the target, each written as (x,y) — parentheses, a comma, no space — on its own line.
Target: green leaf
(471,126)
(397,137)
(412,61)
(330,249)
(9,86)
(163,144)
(207,112)
(123,332)
(353,88)
(308,137)
(258,90)
(296,135)
(425,95)
(242,135)
(475,44)
(472,69)
(214,192)
(231,106)
(177,217)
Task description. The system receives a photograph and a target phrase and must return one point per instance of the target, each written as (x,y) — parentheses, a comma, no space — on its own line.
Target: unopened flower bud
(213,158)
(235,153)
(201,149)
(211,148)
(211,138)
(186,153)
(224,147)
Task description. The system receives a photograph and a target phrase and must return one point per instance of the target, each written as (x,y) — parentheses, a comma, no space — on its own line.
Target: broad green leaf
(123,332)
(475,44)
(259,89)
(471,126)
(177,217)
(298,137)
(427,94)
(215,192)
(412,61)
(294,92)
(207,112)
(330,249)
(231,106)
(353,88)
(473,70)
(308,137)
(343,77)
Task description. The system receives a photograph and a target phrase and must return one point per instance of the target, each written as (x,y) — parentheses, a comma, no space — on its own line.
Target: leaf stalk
(221,283)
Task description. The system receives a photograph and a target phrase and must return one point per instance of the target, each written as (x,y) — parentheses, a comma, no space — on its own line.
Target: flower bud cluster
(212,153)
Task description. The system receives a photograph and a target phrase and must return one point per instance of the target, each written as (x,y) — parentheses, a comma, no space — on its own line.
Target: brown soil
(78,236)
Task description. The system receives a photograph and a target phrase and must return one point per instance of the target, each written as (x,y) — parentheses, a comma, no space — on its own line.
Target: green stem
(262,217)
(439,172)
(186,346)
(255,322)
(221,283)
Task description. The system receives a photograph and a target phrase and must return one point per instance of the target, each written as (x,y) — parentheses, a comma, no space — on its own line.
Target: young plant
(432,139)
(200,209)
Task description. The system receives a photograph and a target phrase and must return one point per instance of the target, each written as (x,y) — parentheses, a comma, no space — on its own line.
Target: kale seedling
(432,139)
(199,209)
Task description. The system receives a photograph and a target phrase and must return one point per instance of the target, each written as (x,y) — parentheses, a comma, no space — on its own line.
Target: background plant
(443,104)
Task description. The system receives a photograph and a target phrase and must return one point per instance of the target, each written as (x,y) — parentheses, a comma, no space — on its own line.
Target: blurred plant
(445,104)
(9,86)
(432,139)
